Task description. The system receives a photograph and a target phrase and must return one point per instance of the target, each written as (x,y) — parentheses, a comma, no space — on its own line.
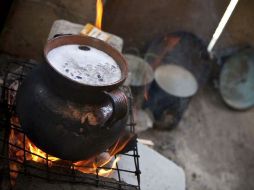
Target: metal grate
(63,171)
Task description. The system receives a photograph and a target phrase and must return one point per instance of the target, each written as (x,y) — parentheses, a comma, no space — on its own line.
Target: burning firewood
(37,176)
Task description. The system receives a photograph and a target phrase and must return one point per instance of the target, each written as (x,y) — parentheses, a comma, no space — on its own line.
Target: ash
(85,64)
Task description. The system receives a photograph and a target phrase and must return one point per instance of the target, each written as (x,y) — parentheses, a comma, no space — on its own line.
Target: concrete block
(157,172)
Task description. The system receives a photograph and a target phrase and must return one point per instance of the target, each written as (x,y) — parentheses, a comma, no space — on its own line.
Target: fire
(41,155)
(32,153)
(92,170)
(99,13)
(103,159)
(103,172)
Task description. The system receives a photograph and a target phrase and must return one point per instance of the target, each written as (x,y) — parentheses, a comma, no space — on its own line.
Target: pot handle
(119,102)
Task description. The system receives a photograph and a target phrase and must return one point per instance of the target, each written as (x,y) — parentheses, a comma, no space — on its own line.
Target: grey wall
(139,21)
(29,23)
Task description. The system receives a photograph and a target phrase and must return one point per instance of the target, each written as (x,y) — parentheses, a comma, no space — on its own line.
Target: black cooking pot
(65,118)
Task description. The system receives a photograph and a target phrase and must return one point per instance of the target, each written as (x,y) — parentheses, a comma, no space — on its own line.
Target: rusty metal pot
(67,119)
(236,80)
(181,66)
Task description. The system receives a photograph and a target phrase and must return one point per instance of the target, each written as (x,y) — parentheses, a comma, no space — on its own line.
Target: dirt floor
(212,143)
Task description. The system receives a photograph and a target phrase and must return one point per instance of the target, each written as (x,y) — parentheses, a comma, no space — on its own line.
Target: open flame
(32,153)
(99,13)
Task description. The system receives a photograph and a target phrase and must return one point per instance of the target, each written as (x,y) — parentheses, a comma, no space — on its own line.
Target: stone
(157,172)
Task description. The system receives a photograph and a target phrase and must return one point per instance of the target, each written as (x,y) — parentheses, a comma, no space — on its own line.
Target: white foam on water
(89,66)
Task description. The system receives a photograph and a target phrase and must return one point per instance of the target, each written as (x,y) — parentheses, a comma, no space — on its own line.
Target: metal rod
(118,173)
(224,20)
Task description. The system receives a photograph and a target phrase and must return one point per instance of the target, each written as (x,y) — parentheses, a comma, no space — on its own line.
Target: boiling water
(85,64)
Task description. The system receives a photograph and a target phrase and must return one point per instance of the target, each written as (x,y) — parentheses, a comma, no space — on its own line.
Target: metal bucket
(182,66)
(237,80)
(140,76)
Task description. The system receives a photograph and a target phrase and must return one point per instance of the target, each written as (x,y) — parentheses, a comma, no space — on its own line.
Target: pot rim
(93,42)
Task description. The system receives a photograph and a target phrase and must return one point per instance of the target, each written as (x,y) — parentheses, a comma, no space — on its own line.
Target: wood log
(36,178)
